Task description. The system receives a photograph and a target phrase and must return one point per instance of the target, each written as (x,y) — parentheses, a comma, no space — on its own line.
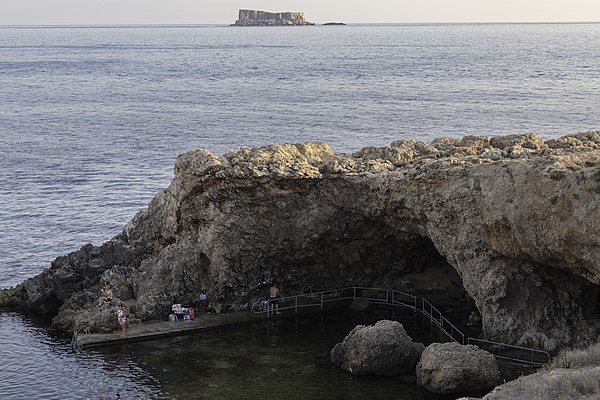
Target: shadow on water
(281,358)
(36,362)
(284,358)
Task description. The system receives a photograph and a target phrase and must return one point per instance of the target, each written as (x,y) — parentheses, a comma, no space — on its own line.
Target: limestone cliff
(517,217)
(263,18)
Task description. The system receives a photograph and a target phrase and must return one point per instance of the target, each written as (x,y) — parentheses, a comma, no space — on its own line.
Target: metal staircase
(524,356)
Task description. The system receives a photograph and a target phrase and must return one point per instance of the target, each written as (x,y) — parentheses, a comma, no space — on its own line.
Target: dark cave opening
(355,252)
(419,269)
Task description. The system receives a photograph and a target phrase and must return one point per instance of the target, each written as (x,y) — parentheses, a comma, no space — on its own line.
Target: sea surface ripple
(92,119)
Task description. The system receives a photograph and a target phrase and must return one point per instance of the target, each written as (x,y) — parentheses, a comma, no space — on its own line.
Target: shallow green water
(281,359)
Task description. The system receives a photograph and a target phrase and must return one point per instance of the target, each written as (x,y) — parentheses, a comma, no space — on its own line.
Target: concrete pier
(162,329)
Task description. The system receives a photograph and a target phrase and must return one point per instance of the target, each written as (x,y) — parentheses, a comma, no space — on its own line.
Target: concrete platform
(202,322)
(162,329)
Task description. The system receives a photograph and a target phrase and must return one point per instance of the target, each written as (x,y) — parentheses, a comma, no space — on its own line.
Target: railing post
(532,356)
(387,296)
(321,300)
(296,305)
(354,293)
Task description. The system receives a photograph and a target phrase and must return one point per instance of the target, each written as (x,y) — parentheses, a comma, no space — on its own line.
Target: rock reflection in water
(36,363)
(281,358)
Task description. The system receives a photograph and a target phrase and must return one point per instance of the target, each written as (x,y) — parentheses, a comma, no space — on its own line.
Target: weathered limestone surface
(382,349)
(263,18)
(517,217)
(451,368)
(577,383)
(572,374)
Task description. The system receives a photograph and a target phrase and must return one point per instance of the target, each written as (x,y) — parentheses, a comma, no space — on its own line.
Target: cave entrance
(413,265)
(352,251)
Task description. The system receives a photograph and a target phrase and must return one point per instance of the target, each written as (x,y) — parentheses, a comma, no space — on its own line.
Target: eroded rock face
(451,368)
(563,383)
(381,349)
(518,218)
(264,18)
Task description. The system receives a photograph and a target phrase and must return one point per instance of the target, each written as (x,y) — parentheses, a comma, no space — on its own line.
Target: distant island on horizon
(264,18)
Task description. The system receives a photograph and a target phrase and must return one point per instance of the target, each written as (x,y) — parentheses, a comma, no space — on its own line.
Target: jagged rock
(381,349)
(451,368)
(522,233)
(338,353)
(561,383)
(93,318)
(398,153)
(586,140)
(263,18)
(572,374)
(526,141)
(466,146)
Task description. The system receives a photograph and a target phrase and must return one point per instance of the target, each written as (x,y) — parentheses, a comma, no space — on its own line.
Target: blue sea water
(92,118)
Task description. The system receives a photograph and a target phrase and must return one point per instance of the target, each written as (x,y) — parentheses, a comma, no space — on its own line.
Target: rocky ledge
(516,217)
(263,18)
(573,374)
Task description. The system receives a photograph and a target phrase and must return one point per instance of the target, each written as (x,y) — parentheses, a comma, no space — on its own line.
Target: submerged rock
(451,368)
(517,218)
(381,349)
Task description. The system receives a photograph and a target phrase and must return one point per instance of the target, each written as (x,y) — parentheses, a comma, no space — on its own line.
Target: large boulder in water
(382,349)
(447,368)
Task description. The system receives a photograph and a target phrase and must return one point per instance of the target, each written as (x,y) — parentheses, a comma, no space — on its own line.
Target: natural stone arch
(516,217)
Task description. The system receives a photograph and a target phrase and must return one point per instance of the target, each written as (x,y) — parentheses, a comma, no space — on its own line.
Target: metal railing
(446,326)
(404,300)
(391,297)
(512,353)
(314,300)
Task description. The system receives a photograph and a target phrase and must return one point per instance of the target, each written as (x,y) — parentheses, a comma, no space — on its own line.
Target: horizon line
(139,24)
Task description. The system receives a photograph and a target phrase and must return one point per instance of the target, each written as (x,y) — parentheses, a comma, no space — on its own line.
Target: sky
(92,12)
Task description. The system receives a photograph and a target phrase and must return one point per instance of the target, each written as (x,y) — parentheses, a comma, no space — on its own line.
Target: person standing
(121,319)
(274,296)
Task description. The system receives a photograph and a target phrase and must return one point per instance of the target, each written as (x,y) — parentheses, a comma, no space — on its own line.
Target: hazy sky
(23,12)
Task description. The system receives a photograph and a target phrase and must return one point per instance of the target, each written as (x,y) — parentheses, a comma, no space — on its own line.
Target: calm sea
(92,119)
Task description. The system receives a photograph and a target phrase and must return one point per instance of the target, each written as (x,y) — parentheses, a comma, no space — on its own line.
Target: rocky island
(516,219)
(264,18)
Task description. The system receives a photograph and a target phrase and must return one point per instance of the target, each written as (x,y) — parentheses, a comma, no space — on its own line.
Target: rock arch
(516,217)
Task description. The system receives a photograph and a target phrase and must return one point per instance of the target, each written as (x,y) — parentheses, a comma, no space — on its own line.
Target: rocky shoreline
(573,374)
(516,217)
